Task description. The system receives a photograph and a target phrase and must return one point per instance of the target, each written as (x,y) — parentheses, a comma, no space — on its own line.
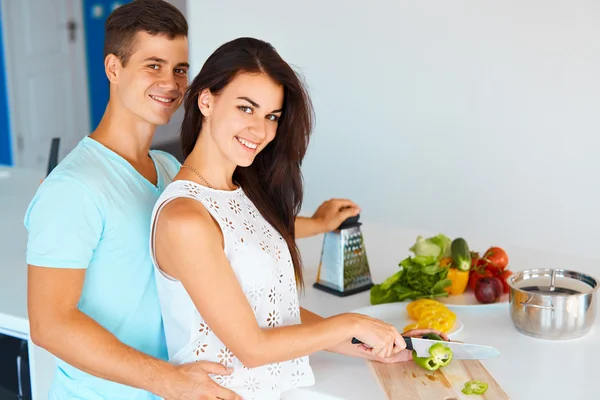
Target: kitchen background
(470,118)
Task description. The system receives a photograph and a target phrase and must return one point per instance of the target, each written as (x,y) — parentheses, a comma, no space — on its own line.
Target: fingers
(214,368)
(226,394)
(342,203)
(421,332)
(399,342)
(347,213)
(382,352)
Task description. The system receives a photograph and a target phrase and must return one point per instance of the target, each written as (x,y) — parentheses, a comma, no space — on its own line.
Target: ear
(205,102)
(112,67)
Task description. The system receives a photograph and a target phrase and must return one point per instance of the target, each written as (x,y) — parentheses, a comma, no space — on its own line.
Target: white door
(46,77)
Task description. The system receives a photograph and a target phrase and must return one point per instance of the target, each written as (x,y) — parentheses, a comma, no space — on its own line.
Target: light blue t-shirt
(93,212)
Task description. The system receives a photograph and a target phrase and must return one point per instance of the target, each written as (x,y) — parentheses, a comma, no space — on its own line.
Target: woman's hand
(328,217)
(379,338)
(404,355)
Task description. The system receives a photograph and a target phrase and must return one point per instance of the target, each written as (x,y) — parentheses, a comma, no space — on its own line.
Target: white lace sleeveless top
(262,263)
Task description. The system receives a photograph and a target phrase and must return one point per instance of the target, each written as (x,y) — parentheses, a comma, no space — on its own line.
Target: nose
(168,81)
(258,128)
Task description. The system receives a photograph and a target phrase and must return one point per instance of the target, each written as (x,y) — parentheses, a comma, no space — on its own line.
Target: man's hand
(194,383)
(327,218)
(404,355)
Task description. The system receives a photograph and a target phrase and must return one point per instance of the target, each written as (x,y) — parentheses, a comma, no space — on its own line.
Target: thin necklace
(199,176)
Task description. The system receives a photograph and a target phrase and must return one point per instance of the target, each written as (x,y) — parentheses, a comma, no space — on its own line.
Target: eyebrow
(163,61)
(255,104)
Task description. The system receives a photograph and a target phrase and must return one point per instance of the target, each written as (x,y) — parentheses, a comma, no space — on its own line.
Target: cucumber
(461,256)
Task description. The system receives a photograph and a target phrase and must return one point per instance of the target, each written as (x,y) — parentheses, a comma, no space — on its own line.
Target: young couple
(119,233)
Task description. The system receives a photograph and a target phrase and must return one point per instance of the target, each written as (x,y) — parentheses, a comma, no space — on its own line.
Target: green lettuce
(419,276)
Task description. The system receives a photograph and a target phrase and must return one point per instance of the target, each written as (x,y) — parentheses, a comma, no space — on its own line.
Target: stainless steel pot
(553,303)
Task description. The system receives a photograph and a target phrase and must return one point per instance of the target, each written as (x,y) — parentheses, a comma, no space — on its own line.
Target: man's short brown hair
(156,17)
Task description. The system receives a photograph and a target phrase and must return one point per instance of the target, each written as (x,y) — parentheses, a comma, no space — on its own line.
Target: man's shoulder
(81,169)
(165,157)
(169,164)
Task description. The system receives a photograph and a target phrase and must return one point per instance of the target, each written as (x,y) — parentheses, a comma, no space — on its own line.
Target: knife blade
(460,351)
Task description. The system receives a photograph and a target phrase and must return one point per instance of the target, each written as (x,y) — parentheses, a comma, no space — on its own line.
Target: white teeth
(162,99)
(247,144)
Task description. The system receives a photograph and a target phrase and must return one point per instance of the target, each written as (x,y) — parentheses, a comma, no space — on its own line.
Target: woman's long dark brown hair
(274,180)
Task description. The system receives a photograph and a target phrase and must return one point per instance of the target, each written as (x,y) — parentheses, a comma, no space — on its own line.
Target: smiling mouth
(247,144)
(163,99)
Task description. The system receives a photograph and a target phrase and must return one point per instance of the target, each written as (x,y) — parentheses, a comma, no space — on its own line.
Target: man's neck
(125,134)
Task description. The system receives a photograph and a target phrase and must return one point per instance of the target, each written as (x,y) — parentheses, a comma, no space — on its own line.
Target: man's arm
(57,325)
(65,226)
(327,218)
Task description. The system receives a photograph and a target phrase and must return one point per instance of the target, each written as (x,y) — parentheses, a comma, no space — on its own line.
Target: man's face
(152,84)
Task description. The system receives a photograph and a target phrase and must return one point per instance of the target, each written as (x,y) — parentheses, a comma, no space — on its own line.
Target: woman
(227,264)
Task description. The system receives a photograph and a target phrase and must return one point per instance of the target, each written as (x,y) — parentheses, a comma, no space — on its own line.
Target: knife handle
(407,339)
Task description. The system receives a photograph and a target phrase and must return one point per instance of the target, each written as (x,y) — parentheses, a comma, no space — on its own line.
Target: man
(91,292)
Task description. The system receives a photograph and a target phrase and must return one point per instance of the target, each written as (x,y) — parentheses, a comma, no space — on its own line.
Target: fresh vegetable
(476,274)
(437,247)
(439,356)
(430,314)
(446,262)
(475,387)
(461,256)
(419,276)
(433,336)
(459,280)
(488,290)
(496,257)
(503,277)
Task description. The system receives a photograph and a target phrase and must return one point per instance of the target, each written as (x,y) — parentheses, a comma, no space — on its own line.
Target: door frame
(77,7)
(10,99)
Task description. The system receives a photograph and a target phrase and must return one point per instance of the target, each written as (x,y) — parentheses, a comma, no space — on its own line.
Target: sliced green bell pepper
(440,356)
(475,387)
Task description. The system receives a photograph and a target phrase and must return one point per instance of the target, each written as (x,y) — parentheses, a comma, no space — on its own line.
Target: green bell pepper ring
(439,356)
(475,387)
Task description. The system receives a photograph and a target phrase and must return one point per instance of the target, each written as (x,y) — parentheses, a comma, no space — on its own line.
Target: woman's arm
(328,217)
(189,247)
(361,351)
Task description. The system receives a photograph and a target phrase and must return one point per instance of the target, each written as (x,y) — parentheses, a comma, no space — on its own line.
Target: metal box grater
(344,268)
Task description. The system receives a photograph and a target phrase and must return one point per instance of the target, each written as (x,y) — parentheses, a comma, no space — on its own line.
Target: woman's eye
(246,109)
(272,117)
(181,71)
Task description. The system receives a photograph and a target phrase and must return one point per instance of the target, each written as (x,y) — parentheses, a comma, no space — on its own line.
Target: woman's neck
(209,166)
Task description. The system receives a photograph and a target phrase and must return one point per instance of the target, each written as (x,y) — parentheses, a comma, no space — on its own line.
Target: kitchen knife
(460,351)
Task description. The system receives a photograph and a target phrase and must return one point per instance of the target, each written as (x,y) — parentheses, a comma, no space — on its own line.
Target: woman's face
(244,117)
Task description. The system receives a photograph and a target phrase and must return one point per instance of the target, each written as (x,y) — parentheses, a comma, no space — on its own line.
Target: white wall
(466,117)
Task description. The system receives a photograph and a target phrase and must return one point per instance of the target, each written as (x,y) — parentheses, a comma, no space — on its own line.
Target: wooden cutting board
(408,381)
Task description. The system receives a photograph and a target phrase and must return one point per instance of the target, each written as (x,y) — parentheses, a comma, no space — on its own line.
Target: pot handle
(528,304)
(537,306)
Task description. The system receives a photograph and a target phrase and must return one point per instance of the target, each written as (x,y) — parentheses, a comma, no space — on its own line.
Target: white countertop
(528,368)
(17,187)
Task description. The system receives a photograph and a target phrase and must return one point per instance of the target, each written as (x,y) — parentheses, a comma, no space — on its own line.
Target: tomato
(497,257)
(475,259)
(476,274)
(503,277)
(494,270)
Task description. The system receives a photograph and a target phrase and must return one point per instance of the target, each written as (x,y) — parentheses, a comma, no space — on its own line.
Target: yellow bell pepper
(459,280)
